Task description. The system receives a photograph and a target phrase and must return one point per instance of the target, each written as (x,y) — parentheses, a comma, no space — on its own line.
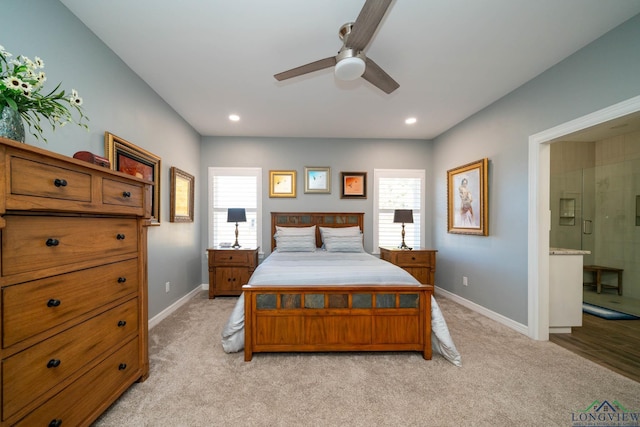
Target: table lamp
(237,215)
(403,216)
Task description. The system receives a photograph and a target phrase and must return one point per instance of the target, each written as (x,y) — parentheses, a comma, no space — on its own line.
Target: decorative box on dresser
(229,269)
(74,286)
(421,263)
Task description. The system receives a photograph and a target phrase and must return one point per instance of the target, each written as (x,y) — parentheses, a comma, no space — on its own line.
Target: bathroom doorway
(595,206)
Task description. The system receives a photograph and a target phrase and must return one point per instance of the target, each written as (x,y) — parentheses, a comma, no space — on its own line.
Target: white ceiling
(211,58)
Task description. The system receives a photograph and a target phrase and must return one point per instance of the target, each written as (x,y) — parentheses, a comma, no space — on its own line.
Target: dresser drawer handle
(53,242)
(53,302)
(413,258)
(120,236)
(53,363)
(121,323)
(122,366)
(122,279)
(126,194)
(55,423)
(60,182)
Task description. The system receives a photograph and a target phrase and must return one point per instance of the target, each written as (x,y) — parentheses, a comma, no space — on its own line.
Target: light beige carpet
(506,379)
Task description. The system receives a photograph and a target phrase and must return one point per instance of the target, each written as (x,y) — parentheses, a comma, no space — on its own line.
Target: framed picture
(282,183)
(354,185)
(467,199)
(317,179)
(181,198)
(133,160)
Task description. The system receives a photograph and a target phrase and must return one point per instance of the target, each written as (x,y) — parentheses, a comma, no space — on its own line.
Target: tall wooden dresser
(73,277)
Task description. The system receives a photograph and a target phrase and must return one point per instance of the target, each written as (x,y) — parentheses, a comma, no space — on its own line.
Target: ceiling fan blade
(379,78)
(367,23)
(307,68)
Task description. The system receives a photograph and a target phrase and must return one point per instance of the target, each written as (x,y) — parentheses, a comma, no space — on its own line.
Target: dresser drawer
(31,178)
(32,372)
(122,194)
(31,243)
(75,403)
(232,257)
(27,309)
(408,258)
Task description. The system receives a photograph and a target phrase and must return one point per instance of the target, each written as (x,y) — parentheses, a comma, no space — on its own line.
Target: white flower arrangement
(21,81)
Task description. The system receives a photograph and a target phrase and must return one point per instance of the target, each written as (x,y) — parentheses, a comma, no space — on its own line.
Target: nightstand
(229,269)
(421,263)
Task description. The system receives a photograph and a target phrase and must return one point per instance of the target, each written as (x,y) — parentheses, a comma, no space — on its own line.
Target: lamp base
(403,245)
(236,245)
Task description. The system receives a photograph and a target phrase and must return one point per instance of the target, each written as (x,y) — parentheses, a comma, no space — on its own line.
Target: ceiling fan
(351,62)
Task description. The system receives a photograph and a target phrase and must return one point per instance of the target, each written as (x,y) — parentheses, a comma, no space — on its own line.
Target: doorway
(594,186)
(539,208)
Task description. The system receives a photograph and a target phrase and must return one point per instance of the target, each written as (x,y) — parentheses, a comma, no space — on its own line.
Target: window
(235,188)
(397,189)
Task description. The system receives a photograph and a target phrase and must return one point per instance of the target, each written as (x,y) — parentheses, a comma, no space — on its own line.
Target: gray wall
(118,101)
(603,73)
(348,155)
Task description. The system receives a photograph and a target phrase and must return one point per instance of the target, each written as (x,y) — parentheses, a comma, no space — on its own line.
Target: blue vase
(11,125)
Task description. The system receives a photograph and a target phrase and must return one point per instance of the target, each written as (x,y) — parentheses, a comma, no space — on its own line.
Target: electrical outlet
(167,286)
(465,281)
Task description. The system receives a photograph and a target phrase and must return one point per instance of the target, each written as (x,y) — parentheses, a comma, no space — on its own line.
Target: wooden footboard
(318,318)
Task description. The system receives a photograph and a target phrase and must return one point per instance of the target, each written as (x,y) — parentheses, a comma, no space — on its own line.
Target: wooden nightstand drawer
(231,257)
(411,258)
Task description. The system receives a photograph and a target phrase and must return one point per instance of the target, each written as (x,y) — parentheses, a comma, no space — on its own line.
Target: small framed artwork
(181,197)
(467,191)
(317,179)
(354,185)
(282,183)
(133,160)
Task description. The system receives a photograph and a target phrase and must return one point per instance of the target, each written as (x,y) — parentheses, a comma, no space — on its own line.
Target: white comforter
(320,267)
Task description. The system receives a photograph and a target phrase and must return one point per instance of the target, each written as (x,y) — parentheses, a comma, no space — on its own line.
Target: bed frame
(321,318)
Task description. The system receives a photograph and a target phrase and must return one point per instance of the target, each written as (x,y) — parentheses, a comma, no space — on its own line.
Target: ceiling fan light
(350,68)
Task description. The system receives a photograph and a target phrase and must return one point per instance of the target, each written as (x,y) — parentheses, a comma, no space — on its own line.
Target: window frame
(234,171)
(397,173)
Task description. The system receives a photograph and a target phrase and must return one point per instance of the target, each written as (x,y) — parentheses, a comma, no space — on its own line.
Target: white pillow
(343,244)
(298,243)
(296,231)
(339,231)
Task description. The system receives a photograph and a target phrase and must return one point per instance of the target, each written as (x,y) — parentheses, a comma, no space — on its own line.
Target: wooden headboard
(319,219)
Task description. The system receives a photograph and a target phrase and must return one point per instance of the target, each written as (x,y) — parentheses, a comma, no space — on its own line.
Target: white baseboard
(518,327)
(176,305)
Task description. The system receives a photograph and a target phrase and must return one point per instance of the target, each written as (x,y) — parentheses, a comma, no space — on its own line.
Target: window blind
(397,189)
(235,188)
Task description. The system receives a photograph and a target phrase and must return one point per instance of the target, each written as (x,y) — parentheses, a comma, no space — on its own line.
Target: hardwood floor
(610,343)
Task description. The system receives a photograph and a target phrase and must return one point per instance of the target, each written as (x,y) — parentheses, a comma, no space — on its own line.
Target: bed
(325,294)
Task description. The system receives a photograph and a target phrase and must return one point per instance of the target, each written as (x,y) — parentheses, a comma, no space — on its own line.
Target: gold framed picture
(354,185)
(467,191)
(181,197)
(130,159)
(282,183)
(317,179)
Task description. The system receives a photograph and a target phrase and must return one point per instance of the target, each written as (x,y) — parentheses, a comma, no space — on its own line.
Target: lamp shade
(236,215)
(404,216)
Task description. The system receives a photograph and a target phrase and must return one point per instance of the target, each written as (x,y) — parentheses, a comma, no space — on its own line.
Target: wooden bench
(597,270)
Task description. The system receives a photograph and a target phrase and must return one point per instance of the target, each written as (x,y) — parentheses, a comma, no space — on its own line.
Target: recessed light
(234,117)
(411,120)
